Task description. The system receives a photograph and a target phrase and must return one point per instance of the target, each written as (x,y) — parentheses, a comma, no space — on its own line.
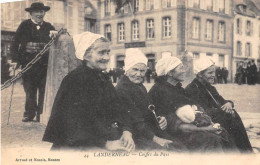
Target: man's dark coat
(34,79)
(27,32)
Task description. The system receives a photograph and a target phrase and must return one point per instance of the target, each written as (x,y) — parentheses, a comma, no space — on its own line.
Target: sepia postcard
(45,86)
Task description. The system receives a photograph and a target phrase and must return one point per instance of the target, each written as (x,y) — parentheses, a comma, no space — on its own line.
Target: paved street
(19,134)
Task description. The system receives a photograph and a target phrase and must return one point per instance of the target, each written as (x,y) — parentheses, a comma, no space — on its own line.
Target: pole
(12,92)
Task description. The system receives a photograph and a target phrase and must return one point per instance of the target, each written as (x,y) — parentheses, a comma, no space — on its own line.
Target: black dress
(135,101)
(167,99)
(233,124)
(85,112)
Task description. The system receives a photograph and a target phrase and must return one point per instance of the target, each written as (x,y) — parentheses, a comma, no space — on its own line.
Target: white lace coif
(134,56)
(83,41)
(202,64)
(166,64)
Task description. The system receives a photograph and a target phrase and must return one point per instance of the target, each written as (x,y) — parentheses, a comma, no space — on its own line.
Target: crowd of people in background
(246,73)
(116,73)
(221,75)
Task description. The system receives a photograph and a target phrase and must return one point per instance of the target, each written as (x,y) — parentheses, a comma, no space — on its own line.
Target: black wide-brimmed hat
(37,6)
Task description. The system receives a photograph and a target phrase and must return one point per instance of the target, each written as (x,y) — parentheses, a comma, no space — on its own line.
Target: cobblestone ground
(20,134)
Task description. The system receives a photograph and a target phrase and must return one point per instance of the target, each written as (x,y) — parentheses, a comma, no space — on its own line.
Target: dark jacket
(167,99)
(27,32)
(199,93)
(84,110)
(135,101)
(232,123)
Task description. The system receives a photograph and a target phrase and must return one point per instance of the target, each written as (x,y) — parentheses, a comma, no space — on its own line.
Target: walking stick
(12,91)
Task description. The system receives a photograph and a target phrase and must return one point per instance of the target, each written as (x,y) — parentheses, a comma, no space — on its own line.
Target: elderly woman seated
(194,129)
(220,110)
(85,113)
(147,131)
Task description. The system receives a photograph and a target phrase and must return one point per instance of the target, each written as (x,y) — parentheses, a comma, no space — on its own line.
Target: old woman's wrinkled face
(178,73)
(98,57)
(208,75)
(136,73)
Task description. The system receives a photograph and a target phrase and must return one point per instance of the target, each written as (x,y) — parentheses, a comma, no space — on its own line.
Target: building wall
(243,38)
(219,50)
(181,12)
(67,14)
(155,46)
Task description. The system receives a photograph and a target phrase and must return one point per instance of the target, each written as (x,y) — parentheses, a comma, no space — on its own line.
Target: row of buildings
(226,30)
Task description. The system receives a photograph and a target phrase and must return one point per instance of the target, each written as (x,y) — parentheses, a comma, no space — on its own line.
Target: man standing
(30,38)
(225,74)
(239,74)
(85,111)
(253,70)
(219,75)
(148,74)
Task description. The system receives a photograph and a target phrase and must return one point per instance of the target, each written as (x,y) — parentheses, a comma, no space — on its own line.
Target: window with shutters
(149,4)
(196,3)
(222,6)
(209,55)
(107,7)
(221,60)
(166,27)
(195,28)
(108,33)
(135,30)
(242,8)
(215,6)
(248,49)
(221,32)
(209,30)
(87,25)
(124,9)
(209,5)
(239,26)
(196,55)
(150,29)
(166,3)
(249,28)
(136,5)
(239,48)
(121,32)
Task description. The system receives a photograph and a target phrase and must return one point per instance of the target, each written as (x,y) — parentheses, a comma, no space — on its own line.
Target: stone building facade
(246,44)
(74,15)
(169,27)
